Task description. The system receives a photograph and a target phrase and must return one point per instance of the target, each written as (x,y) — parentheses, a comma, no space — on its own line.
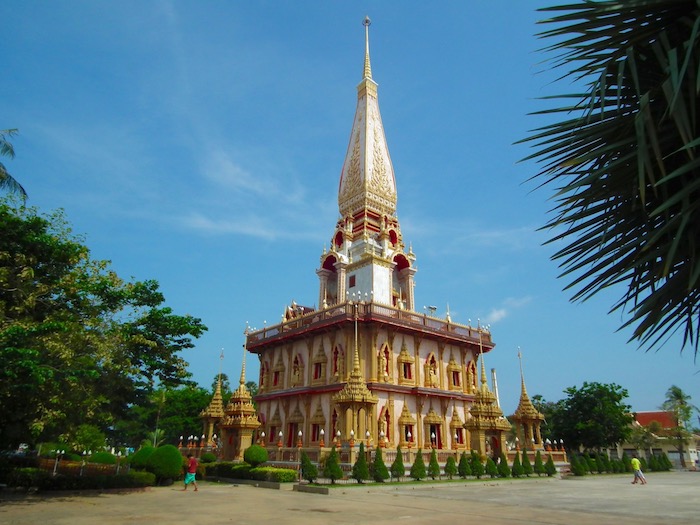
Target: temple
(364,364)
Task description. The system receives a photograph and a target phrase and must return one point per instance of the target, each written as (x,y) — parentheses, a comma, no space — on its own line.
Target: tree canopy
(7,181)
(78,344)
(623,158)
(593,416)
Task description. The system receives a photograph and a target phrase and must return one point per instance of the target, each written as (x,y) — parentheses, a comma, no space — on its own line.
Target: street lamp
(59,453)
(321,442)
(337,439)
(408,437)
(352,438)
(262,438)
(367,438)
(382,443)
(432,440)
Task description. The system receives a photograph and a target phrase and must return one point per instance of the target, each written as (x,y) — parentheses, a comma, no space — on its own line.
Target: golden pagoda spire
(367,72)
(523,391)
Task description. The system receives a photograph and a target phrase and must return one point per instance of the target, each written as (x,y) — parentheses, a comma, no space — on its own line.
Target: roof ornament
(367,73)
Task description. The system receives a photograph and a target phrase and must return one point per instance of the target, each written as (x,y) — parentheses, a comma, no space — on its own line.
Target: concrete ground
(668,498)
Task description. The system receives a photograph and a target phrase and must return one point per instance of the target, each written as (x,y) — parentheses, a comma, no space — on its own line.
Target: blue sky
(200,144)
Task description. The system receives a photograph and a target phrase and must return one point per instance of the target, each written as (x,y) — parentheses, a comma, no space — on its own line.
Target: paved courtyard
(668,498)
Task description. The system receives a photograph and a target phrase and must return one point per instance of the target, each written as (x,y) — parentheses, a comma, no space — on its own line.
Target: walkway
(669,498)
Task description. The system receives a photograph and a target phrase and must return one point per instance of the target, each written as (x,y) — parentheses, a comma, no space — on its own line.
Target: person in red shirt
(190,476)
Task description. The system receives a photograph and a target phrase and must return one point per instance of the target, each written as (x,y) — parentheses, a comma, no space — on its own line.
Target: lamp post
(59,453)
(548,445)
(119,460)
(382,442)
(299,452)
(262,438)
(337,439)
(432,440)
(408,437)
(321,443)
(367,439)
(179,445)
(455,443)
(517,444)
(533,444)
(352,438)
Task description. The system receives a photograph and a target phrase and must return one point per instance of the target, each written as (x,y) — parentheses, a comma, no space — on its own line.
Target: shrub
(255,455)
(503,468)
(26,478)
(274,474)
(463,469)
(139,459)
(308,470)
(397,468)
(491,468)
(166,463)
(627,462)
(434,466)
(360,470)
(517,468)
(227,469)
(379,470)
(549,468)
(599,465)
(331,468)
(450,467)
(475,464)
(539,465)
(418,468)
(208,457)
(104,458)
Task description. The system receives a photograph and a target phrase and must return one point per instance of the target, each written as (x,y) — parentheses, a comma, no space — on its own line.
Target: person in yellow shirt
(638,474)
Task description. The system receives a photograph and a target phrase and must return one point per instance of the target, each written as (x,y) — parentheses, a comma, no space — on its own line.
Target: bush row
(42,480)
(244,471)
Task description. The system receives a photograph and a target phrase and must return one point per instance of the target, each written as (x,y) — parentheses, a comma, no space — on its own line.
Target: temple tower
(527,418)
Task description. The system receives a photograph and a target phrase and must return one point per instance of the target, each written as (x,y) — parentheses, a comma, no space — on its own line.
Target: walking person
(638,474)
(191,475)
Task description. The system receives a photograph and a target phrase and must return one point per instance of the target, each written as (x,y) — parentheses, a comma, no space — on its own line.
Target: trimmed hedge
(104,458)
(27,478)
(139,459)
(255,455)
(244,471)
(166,463)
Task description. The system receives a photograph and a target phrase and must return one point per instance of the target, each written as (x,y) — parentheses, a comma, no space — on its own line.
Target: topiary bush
(550,468)
(139,459)
(418,468)
(104,458)
(527,466)
(517,468)
(331,468)
(379,470)
(397,467)
(450,467)
(309,472)
(433,466)
(165,463)
(491,468)
(360,470)
(463,468)
(255,455)
(503,468)
(208,457)
(475,464)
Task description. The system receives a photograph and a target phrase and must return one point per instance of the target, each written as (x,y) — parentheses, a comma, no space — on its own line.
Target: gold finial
(368,68)
(522,376)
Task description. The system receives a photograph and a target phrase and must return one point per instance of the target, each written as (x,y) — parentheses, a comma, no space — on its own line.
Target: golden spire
(367,73)
(523,392)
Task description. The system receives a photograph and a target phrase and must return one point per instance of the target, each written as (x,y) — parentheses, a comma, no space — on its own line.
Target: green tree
(594,416)
(539,464)
(398,470)
(7,182)
(645,437)
(417,471)
(463,468)
(475,465)
(678,402)
(503,468)
(433,465)
(549,467)
(379,471)
(517,468)
(622,159)
(450,467)
(360,470)
(309,472)
(331,468)
(78,344)
(491,468)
